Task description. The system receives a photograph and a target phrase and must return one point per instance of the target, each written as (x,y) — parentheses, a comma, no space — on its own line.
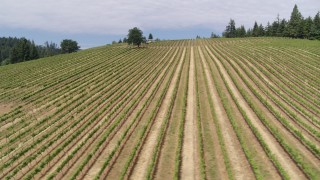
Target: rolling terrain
(245,108)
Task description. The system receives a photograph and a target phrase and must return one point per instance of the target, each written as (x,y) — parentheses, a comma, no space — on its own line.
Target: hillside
(243,108)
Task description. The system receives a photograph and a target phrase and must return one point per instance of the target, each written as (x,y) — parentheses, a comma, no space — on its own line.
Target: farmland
(244,108)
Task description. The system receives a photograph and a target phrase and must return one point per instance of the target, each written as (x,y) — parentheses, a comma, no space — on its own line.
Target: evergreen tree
(274,28)
(308,28)
(14,57)
(255,30)
(33,51)
(238,32)
(282,29)
(316,24)
(241,31)
(268,30)
(48,49)
(249,32)
(277,29)
(261,30)
(294,26)
(213,35)
(150,36)
(230,31)
(14,50)
(316,21)
(6,46)
(23,50)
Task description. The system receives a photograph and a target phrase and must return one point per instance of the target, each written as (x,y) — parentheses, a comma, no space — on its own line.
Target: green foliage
(6,46)
(316,30)
(69,46)
(255,30)
(150,36)
(135,36)
(241,31)
(268,30)
(178,160)
(14,50)
(48,49)
(296,27)
(24,50)
(213,35)
(261,31)
(230,31)
(308,28)
(200,126)
(295,23)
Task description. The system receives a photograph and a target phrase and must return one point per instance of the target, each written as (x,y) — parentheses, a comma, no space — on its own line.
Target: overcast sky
(97,22)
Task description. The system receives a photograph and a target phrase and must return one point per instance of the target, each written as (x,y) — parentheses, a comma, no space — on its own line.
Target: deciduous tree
(69,46)
(135,36)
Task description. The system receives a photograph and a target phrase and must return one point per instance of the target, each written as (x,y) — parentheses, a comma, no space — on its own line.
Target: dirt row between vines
(140,169)
(291,139)
(117,167)
(99,162)
(239,163)
(287,163)
(189,169)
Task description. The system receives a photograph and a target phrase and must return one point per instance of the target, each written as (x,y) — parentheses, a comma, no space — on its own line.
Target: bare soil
(213,155)
(287,163)
(140,168)
(189,168)
(96,167)
(5,108)
(165,167)
(239,163)
(266,168)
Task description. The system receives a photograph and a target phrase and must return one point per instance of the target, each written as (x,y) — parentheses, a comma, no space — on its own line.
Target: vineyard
(244,108)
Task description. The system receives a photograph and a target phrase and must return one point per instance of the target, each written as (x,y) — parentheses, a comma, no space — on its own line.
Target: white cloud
(116,17)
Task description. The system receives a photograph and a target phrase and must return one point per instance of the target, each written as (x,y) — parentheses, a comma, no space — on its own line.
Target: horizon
(87,24)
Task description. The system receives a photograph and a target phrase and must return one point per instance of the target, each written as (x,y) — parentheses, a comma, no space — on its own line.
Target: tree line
(14,50)
(296,27)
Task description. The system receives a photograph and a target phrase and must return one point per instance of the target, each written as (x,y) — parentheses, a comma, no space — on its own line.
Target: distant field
(188,109)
